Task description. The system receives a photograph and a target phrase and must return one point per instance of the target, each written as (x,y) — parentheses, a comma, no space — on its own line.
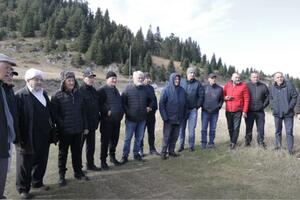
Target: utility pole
(129,64)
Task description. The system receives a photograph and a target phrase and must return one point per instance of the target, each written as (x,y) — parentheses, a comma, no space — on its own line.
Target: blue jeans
(192,123)
(289,125)
(210,119)
(136,128)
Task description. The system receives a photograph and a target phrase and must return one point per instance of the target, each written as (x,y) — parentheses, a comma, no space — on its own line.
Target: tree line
(95,38)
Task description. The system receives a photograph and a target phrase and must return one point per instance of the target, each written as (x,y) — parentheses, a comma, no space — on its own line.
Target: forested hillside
(97,40)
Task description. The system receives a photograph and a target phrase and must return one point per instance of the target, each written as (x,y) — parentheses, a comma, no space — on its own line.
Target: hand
(85,131)
(149,109)
(298,116)
(227,98)
(109,113)
(244,115)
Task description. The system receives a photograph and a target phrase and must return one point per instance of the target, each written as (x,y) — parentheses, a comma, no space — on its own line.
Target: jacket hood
(67,74)
(172,78)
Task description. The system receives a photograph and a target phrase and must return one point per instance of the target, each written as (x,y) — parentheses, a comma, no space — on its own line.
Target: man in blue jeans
(213,101)
(194,91)
(137,103)
(283,98)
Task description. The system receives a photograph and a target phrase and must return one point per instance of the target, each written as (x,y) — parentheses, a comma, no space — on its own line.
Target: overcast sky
(264,34)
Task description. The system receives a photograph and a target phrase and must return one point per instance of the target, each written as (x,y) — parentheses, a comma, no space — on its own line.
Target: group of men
(32,121)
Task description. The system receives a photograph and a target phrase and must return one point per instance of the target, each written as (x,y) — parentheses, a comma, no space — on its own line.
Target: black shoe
(180,150)
(3,197)
(192,149)
(104,166)
(164,156)
(81,176)
(232,146)
(93,168)
(25,195)
(277,148)
(138,157)
(115,161)
(247,144)
(173,154)
(124,160)
(62,181)
(141,152)
(154,152)
(262,145)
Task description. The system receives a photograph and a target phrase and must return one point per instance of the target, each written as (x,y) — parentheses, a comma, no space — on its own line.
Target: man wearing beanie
(91,101)
(195,96)
(71,121)
(35,124)
(111,115)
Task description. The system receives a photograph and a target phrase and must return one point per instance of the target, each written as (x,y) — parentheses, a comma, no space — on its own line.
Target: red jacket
(241,97)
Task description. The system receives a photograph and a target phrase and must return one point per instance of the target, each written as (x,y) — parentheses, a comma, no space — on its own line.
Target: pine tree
(77,60)
(148,62)
(213,62)
(150,43)
(185,64)
(84,38)
(171,67)
(27,26)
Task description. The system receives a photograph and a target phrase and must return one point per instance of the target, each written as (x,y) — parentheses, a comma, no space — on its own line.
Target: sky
(263,34)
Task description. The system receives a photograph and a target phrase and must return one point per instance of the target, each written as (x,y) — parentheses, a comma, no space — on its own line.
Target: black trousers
(110,132)
(89,140)
(31,168)
(150,125)
(73,141)
(170,136)
(259,119)
(233,123)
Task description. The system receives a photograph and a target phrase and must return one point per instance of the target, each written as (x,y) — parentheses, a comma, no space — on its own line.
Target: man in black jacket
(111,115)
(7,132)
(259,100)
(70,118)
(35,124)
(91,102)
(137,103)
(283,98)
(150,121)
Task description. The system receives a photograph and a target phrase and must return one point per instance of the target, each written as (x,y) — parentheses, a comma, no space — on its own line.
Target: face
(147,81)
(4,68)
(212,80)
(69,84)
(111,81)
(254,78)
(8,78)
(177,81)
(278,78)
(191,76)
(235,78)
(89,80)
(138,80)
(36,83)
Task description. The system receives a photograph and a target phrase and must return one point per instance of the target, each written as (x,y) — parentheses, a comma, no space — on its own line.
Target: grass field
(210,174)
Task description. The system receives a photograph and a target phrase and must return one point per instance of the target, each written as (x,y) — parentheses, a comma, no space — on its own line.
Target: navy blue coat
(173,103)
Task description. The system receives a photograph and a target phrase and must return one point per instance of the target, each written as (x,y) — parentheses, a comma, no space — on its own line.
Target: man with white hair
(35,126)
(137,103)
(7,132)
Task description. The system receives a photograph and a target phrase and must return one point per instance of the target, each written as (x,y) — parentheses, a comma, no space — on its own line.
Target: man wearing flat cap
(7,131)
(213,101)
(71,121)
(111,115)
(194,91)
(35,124)
(91,102)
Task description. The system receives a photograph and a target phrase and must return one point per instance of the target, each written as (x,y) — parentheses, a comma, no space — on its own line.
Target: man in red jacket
(236,96)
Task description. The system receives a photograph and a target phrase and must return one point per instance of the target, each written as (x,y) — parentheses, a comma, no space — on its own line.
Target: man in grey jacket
(259,100)
(194,91)
(283,98)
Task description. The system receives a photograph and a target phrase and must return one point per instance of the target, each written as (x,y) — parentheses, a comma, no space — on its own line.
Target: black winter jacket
(283,99)
(135,101)
(213,98)
(91,102)
(194,91)
(110,100)
(259,96)
(4,145)
(69,111)
(151,92)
